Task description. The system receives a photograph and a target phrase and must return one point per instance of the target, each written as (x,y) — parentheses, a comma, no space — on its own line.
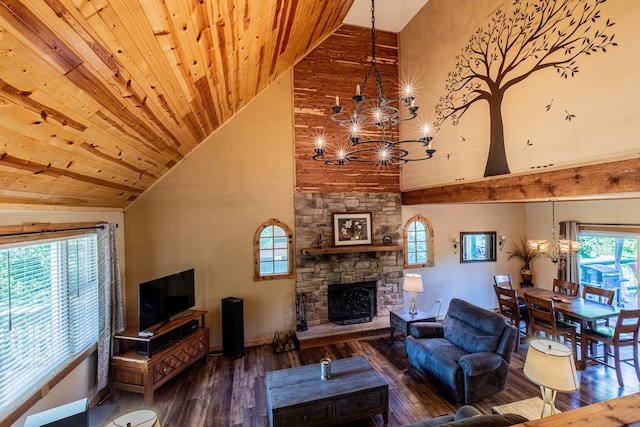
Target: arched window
(273,251)
(418,243)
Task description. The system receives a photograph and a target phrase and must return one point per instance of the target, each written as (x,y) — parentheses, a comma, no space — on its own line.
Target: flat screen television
(161,299)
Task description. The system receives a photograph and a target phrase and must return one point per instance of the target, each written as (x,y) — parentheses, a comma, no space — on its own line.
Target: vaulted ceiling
(100,98)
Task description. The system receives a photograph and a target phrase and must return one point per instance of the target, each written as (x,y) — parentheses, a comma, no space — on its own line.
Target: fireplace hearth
(352,303)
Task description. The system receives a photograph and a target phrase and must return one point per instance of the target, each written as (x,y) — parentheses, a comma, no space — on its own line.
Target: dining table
(586,311)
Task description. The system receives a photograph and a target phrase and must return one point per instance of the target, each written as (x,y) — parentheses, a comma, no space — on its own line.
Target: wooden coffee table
(297,396)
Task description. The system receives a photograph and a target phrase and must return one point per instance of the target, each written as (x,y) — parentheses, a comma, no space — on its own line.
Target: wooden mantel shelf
(334,251)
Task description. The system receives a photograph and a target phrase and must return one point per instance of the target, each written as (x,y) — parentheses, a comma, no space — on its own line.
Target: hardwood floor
(232,393)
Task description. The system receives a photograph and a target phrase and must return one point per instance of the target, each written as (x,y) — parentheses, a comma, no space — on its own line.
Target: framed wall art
(351,228)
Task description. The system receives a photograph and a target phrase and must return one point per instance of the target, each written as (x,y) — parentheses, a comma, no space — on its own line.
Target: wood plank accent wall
(599,179)
(335,68)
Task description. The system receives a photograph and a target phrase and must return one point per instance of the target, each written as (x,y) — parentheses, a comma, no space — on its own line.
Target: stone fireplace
(316,273)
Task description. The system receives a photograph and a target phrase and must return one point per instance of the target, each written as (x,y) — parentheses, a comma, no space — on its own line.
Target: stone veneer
(314,225)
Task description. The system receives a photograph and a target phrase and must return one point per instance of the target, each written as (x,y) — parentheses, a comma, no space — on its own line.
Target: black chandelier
(373,126)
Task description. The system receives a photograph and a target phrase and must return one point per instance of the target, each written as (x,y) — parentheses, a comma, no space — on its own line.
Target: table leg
(581,365)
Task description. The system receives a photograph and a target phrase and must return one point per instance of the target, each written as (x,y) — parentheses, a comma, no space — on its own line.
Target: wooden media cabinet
(142,364)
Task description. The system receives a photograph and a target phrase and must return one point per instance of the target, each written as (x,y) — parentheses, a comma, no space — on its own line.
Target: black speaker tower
(232,328)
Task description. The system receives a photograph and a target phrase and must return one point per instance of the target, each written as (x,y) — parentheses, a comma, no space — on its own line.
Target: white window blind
(48,311)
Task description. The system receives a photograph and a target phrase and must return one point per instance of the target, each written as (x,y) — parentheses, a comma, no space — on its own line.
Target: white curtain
(110,299)
(568,267)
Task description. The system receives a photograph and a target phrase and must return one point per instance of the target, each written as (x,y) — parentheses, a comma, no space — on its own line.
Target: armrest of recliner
(427,330)
(479,363)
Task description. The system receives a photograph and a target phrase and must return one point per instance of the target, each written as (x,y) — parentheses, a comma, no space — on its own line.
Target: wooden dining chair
(542,318)
(602,295)
(510,308)
(564,287)
(503,281)
(624,334)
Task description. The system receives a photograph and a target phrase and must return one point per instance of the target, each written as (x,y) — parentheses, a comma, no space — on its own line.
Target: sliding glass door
(609,259)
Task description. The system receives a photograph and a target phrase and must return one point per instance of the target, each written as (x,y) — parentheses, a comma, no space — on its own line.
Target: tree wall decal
(538,35)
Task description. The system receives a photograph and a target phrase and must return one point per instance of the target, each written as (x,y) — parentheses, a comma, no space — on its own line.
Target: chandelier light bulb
(355,135)
(384,156)
(319,146)
(377,116)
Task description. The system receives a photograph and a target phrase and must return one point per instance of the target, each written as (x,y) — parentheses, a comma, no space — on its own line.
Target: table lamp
(413,285)
(550,365)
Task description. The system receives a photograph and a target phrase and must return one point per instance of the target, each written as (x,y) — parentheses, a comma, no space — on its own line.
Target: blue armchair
(467,354)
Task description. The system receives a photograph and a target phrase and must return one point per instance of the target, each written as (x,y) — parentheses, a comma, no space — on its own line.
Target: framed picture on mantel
(351,228)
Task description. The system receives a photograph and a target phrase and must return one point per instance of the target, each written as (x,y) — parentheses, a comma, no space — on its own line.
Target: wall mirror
(478,246)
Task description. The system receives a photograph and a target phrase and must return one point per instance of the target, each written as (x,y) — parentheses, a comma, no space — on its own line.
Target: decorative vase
(527,276)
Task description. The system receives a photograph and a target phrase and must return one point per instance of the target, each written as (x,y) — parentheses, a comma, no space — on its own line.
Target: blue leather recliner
(467,355)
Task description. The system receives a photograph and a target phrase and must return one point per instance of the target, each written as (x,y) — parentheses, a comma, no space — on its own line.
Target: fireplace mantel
(334,251)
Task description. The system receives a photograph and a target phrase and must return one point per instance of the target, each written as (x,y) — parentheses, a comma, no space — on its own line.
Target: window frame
(430,247)
(66,256)
(257,276)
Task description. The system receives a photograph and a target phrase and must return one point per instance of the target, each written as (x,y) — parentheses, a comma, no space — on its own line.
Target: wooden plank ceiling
(100,98)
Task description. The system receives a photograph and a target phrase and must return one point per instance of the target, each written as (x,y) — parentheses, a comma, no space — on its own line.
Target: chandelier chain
(373,31)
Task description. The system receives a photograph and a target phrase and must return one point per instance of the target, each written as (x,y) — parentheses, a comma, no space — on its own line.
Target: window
(48,311)
(418,241)
(273,251)
(609,259)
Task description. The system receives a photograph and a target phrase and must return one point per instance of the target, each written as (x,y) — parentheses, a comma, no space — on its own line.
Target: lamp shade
(413,283)
(550,364)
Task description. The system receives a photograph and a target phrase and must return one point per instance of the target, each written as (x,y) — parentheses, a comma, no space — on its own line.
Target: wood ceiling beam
(598,179)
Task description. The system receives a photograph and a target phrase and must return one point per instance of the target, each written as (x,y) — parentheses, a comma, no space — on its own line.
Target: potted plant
(523,252)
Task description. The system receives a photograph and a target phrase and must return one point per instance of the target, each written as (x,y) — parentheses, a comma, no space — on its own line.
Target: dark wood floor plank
(229,392)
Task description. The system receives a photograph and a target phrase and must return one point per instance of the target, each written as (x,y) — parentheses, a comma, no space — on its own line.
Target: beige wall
(602,96)
(80,382)
(469,281)
(204,214)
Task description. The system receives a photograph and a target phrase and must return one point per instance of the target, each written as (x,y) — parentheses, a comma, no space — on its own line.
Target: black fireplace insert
(352,303)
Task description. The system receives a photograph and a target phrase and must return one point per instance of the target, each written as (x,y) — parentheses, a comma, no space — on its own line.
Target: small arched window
(273,251)
(418,243)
